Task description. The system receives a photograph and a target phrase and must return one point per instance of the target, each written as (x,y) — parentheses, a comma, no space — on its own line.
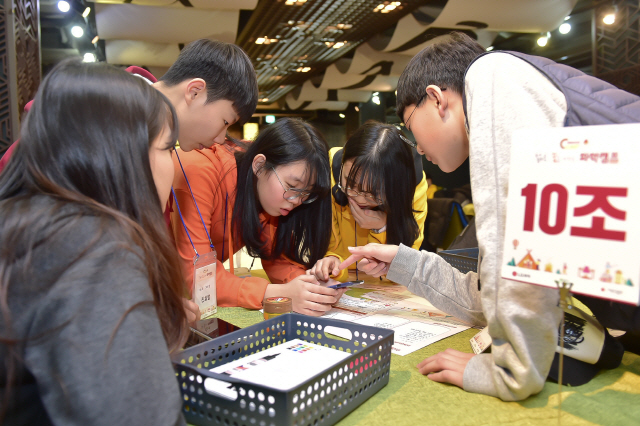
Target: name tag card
(573,210)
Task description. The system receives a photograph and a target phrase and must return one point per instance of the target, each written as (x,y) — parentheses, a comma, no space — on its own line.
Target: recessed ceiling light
(260,40)
(64,6)
(89,57)
(609,19)
(542,41)
(338,45)
(564,28)
(86,12)
(77,31)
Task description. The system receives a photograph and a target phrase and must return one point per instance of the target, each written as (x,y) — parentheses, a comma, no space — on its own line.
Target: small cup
(274,306)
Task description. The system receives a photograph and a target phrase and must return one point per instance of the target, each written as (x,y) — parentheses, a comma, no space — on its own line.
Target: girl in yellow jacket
(379,195)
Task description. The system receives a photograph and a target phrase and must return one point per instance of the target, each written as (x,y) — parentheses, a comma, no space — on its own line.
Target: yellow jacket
(343,229)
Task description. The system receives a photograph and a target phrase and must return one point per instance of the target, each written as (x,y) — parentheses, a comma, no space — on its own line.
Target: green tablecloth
(611,398)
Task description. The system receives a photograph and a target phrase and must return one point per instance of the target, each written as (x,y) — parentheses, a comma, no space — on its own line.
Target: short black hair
(225,68)
(442,64)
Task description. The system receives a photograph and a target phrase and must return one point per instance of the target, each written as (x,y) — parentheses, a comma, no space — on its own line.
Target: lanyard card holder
(204,283)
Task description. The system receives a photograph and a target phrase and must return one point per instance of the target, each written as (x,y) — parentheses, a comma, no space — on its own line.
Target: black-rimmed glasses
(416,107)
(291,194)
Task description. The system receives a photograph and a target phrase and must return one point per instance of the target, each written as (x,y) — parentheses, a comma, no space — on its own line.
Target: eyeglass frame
(344,190)
(406,124)
(300,193)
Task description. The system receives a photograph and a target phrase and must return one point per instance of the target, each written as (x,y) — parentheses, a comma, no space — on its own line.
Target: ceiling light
(356,108)
(77,31)
(390,7)
(565,28)
(338,45)
(542,41)
(303,69)
(269,119)
(489,49)
(341,115)
(95,39)
(260,40)
(86,12)
(89,57)
(609,18)
(566,18)
(64,6)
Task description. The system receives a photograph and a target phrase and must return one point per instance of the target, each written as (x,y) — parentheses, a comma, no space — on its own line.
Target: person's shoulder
(499,65)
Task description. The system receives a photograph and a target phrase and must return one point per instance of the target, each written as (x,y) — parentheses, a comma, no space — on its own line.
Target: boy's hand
(367,219)
(374,258)
(446,367)
(324,267)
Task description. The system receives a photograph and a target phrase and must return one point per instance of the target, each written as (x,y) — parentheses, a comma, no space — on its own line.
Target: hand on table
(446,367)
(192,310)
(374,258)
(367,219)
(309,297)
(324,268)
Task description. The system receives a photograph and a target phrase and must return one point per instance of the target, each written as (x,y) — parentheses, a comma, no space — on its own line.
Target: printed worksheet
(361,306)
(415,321)
(273,367)
(414,328)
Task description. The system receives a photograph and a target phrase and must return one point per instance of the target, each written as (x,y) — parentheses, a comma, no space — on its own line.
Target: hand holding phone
(346,284)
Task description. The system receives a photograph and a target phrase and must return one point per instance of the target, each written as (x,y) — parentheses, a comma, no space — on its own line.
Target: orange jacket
(213,176)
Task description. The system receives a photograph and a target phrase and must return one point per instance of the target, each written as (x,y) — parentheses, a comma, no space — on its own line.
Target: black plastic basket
(322,400)
(465,260)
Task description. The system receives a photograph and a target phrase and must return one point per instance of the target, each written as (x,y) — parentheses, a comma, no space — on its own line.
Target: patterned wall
(27,36)
(617,58)
(5,99)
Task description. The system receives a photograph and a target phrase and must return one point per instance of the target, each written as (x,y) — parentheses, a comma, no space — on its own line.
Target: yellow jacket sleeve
(420,209)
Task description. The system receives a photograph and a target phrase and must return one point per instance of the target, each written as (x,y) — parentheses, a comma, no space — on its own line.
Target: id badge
(204,284)
(481,341)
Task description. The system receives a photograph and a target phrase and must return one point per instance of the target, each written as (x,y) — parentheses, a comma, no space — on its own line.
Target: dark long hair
(85,145)
(383,166)
(303,235)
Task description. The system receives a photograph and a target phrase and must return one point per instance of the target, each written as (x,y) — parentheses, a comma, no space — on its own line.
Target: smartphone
(208,329)
(346,284)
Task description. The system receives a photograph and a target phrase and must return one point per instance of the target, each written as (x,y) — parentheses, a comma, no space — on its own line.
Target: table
(611,398)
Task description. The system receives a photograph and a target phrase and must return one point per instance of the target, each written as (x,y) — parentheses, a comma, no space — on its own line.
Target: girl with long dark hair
(271,197)
(90,293)
(379,195)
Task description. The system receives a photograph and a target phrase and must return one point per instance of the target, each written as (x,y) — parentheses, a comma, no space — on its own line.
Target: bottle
(274,306)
